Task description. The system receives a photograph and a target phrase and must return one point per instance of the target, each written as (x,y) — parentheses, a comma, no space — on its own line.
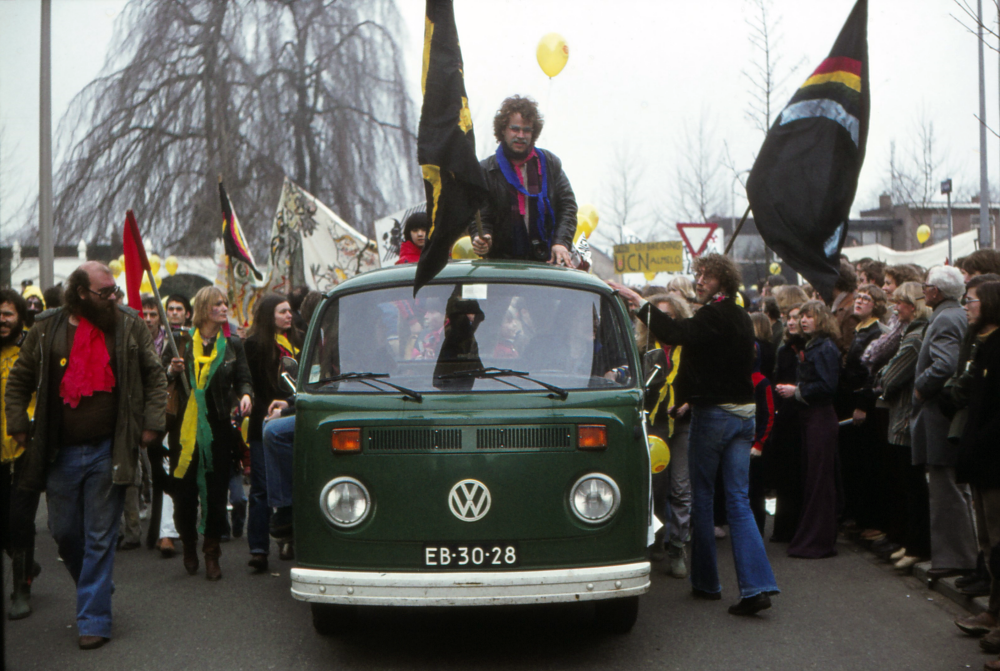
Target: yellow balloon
(584,226)
(121,260)
(649,275)
(659,454)
(552,54)
(154,263)
(145,287)
(171,264)
(116,267)
(462,249)
(159,281)
(923,233)
(590,213)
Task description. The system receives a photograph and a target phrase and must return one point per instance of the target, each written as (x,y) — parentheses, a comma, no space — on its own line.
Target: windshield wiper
(493,372)
(364,378)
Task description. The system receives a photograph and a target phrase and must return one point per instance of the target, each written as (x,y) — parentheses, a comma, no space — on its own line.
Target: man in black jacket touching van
(718,347)
(530,213)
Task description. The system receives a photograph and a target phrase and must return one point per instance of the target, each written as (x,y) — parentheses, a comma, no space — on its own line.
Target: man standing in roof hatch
(530,213)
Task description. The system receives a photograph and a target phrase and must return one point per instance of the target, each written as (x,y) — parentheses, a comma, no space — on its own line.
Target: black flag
(804,179)
(446,145)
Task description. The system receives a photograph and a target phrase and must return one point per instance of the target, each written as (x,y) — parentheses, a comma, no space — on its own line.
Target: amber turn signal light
(346,440)
(591,437)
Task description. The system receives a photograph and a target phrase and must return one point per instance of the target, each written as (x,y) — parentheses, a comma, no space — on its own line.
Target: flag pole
(163,322)
(739,227)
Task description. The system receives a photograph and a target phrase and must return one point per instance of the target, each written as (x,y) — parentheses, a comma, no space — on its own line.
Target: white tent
(963,244)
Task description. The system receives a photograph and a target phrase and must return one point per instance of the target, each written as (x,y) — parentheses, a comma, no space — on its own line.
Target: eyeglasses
(966,301)
(864,298)
(518,130)
(106,292)
(929,286)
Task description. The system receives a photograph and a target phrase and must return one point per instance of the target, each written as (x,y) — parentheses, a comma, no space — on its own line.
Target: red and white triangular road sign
(696,236)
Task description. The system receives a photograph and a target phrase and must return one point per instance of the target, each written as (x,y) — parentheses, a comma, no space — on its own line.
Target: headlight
(345,502)
(594,498)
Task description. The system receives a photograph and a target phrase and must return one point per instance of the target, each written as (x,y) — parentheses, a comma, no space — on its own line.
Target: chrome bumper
(365,588)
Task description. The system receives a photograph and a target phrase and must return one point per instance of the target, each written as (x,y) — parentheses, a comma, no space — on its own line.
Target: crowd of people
(873,418)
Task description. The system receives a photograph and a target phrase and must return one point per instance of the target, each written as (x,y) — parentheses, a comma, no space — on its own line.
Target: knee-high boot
(212,552)
(190,553)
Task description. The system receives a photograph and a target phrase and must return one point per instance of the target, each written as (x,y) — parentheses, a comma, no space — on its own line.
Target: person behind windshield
(429,341)
(718,344)
(459,350)
(510,328)
(530,212)
(414,236)
(202,457)
(272,338)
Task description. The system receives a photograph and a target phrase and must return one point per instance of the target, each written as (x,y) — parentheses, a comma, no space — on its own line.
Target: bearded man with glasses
(101,393)
(530,213)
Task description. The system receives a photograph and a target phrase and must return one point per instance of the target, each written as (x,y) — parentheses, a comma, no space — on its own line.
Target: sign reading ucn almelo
(656,257)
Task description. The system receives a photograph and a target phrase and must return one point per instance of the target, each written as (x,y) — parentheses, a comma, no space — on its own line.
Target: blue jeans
(721,440)
(85,507)
(259,516)
(279,436)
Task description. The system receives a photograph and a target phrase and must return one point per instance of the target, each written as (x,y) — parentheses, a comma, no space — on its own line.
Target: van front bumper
(365,588)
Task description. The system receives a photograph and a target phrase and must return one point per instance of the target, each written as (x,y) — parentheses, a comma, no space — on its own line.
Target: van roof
(479,270)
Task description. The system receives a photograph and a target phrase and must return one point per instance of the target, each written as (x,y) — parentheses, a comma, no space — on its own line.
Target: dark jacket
(229,384)
(854,387)
(718,353)
(979,449)
(266,386)
(499,216)
(819,372)
(140,381)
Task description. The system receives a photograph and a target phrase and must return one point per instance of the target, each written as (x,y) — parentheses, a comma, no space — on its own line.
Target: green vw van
(480,444)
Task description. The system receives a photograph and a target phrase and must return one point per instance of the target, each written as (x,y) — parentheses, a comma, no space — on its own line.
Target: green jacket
(142,397)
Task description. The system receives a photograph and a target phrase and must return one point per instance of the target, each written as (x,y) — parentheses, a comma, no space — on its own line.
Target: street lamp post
(946,189)
(45,248)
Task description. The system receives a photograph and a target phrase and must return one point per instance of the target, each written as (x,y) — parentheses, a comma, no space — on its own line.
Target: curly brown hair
(721,268)
(879,299)
(527,108)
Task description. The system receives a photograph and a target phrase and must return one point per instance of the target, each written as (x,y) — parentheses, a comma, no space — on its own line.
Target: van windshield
(469,337)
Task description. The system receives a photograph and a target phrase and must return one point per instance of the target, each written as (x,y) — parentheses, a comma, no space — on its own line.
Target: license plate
(471,555)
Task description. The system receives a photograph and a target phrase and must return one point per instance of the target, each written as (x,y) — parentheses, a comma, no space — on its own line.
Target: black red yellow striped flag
(232,234)
(806,175)
(446,143)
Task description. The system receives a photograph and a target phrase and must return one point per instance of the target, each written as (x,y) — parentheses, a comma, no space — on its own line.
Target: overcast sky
(642,75)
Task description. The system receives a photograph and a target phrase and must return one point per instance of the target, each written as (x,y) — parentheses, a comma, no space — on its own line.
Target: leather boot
(22,564)
(212,553)
(190,554)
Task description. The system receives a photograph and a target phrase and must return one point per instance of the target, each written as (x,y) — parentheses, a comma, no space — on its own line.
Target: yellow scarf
(285,344)
(189,426)
(667,390)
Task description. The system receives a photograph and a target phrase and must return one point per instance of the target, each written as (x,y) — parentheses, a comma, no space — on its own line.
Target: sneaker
(751,605)
(897,555)
(720,532)
(977,625)
(906,563)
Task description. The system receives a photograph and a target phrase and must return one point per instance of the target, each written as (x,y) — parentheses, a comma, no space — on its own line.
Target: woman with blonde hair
(909,509)
(681,286)
(200,459)
(818,373)
(669,419)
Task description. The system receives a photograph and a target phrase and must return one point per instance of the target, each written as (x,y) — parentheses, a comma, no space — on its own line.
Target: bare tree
(251,90)
(766,74)
(624,214)
(915,171)
(699,190)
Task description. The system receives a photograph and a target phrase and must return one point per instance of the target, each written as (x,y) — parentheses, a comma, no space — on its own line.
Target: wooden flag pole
(739,227)
(479,225)
(166,325)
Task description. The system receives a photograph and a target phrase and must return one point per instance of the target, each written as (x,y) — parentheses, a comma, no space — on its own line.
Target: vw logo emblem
(469,500)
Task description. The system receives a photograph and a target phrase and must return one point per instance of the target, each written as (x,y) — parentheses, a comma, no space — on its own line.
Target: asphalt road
(848,612)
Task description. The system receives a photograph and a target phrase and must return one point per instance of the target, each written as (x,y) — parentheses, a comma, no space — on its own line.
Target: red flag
(136,263)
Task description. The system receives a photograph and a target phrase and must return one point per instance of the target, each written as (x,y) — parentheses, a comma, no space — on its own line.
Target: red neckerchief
(88,370)
(521,202)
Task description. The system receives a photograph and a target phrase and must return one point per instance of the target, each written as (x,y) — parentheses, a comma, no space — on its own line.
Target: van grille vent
(523,437)
(415,439)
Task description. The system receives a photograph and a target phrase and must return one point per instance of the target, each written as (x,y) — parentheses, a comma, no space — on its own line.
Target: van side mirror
(289,368)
